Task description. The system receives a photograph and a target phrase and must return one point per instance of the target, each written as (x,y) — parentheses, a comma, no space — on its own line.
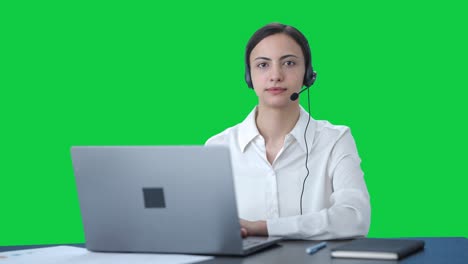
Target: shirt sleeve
(349,213)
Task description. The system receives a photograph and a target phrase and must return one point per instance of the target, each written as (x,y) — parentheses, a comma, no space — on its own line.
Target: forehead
(275,46)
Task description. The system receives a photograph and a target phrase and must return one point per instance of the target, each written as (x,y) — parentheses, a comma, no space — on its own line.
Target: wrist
(261,228)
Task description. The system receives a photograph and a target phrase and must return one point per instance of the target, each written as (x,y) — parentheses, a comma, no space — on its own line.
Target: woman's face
(277,68)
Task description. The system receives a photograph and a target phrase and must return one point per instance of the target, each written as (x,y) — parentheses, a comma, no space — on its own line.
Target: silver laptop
(165,199)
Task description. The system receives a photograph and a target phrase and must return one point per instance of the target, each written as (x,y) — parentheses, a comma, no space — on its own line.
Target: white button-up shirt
(335,201)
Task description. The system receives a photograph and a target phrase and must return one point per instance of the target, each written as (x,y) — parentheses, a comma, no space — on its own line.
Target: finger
(244,232)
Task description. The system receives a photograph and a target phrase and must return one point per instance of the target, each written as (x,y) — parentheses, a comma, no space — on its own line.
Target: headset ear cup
(248,79)
(314,76)
(310,77)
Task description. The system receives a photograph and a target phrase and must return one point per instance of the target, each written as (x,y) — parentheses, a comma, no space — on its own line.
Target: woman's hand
(253,228)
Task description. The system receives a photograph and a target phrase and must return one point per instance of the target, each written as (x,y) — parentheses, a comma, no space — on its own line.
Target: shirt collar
(248,130)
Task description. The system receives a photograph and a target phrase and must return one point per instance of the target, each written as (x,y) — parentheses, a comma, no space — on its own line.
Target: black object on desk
(378,248)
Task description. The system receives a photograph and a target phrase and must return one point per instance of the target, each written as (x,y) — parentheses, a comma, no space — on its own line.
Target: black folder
(378,248)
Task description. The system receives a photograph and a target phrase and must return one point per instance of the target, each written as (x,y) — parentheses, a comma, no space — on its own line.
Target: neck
(274,124)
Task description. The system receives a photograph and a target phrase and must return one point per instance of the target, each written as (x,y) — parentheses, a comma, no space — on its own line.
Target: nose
(276,74)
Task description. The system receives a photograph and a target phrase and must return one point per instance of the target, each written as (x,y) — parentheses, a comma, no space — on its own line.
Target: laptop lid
(169,199)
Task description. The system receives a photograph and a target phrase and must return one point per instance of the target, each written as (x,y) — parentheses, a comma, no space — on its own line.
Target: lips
(276,90)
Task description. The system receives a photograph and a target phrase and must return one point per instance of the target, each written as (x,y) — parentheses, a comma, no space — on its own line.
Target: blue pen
(313,249)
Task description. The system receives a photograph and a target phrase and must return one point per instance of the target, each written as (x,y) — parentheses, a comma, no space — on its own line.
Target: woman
(295,177)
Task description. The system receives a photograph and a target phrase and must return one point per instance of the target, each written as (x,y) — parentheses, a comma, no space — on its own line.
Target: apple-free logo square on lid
(154,198)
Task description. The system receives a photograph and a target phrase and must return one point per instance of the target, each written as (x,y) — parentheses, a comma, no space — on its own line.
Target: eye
(289,63)
(262,65)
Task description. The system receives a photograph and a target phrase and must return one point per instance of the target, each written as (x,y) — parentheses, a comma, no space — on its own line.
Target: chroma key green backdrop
(172,73)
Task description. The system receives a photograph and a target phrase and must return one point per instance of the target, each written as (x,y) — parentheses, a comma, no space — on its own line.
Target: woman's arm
(349,213)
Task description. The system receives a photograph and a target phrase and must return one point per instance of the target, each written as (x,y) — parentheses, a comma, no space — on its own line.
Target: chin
(279,104)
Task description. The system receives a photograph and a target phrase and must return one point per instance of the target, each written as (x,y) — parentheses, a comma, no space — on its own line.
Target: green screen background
(146,73)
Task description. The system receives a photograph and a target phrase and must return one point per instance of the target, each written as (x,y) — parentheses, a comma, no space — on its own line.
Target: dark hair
(276,28)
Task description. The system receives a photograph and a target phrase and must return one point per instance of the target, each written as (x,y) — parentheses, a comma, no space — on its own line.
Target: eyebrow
(282,57)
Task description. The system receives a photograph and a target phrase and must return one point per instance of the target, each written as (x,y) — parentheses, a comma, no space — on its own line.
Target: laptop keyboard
(246,242)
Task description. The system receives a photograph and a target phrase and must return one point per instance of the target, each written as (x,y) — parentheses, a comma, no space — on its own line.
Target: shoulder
(320,131)
(241,132)
(333,136)
(223,138)
(326,129)
(337,138)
